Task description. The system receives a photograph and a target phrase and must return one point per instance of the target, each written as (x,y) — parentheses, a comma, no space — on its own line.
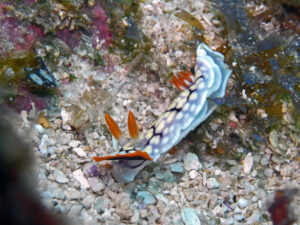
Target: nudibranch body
(184,114)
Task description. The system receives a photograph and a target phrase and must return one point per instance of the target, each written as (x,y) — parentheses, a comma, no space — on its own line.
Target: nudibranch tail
(137,155)
(132,126)
(113,126)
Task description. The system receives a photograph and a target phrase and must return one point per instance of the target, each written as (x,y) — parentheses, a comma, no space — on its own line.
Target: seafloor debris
(281,210)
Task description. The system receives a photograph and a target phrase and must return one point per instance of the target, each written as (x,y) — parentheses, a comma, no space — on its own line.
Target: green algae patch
(12,67)
(126,34)
(190,19)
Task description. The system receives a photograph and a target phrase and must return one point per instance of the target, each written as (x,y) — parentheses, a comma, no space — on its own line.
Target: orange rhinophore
(132,126)
(136,154)
(113,126)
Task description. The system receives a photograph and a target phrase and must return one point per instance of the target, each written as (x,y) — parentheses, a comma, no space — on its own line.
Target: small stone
(165,175)
(59,176)
(285,171)
(96,184)
(176,167)
(268,172)
(232,117)
(248,163)
(178,53)
(80,152)
(162,198)
(43,146)
(72,194)
(254,218)
(254,199)
(146,197)
(43,121)
(212,183)
(47,194)
(191,162)
(273,138)
(242,203)
(39,128)
(229,221)
(193,174)
(264,161)
(102,203)
(190,217)
(78,175)
(124,213)
(74,143)
(95,135)
(239,217)
(75,210)
(123,200)
(135,218)
(154,66)
(88,201)
(65,116)
(64,138)
(168,176)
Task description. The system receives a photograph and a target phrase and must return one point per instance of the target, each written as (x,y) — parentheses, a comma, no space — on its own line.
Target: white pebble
(78,175)
(191,162)
(74,143)
(254,199)
(80,152)
(242,203)
(248,163)
(96,184)
(212,183)
(254,218)
(178,53)
(43,146)
(193,174)
(239,217)
(59,176)
(39,128)
(95,135)
(75,210)
(65,116)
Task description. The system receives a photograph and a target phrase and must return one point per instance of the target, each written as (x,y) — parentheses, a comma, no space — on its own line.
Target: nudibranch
(41,76)
(184,114)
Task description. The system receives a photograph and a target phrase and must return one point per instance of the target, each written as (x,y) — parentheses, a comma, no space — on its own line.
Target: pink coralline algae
(99,30)
(100,26)
(71,38)
(25,99)
(22,39)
